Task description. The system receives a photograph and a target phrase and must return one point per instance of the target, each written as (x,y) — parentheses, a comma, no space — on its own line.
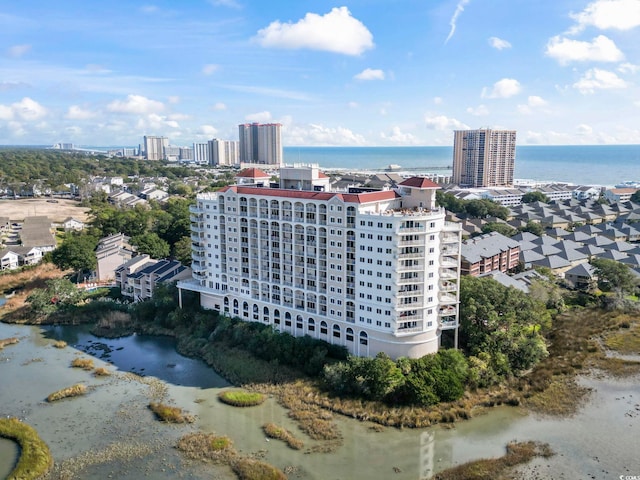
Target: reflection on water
(142,354)
(8,456)
(598,442)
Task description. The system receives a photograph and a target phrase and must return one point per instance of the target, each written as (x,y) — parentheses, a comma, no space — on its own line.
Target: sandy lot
(17,210)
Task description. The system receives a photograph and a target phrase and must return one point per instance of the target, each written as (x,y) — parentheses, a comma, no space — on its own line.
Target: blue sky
(352,73)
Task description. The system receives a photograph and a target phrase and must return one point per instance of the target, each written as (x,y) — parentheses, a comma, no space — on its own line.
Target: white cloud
(260,117)
(207,131)
(608,14)
(442,122)
(4,86)
(533,102)
(437,100)
(600,49)
(149,9)
(398,137)
(76,112)
(210,69)
(479,111)
(155,122)
(6,112)
(17,51)
(499,43)
(536,101)
(336,31)
(320,135)
(505,88)
(584,129)
(628,68)
(353,105)
(370,74)
(225,3)
(597,79)
(454,18)
(173,99)
(136,104)
(28,109)
(218,106)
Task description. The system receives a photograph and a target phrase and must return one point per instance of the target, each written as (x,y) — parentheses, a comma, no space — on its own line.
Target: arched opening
(336,331)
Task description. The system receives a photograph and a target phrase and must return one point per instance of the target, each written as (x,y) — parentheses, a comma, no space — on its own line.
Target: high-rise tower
(260,143)
(484,158)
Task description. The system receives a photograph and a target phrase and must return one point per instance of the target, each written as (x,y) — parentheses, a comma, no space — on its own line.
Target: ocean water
(584,165)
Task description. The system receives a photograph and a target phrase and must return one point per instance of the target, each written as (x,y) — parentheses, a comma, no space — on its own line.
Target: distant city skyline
(358,73)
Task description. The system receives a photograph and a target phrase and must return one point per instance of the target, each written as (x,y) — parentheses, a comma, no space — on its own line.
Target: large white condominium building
(375,271)
(154,147)
(260,143)
(484,158)
(223,152)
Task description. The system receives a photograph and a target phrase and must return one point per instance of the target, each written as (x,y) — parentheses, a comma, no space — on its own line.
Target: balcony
(195,209)
(447,299)
(448,323)
(448,263)
(447,274)
(448,238)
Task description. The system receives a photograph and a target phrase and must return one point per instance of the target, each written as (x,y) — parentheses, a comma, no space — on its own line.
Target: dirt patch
(57,211)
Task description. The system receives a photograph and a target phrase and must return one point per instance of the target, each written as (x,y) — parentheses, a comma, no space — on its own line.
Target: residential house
(71,223)
(111,252)
(489,252)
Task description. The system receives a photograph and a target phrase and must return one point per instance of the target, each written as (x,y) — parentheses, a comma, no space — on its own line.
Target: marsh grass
(60,344)
(8,341)
(207,446)
(517,454)
(626,341)
(101,372)
(241,398)
(251,469)
(170,414)
(84,363)
(73,391)
(219,450)
(272,430)
(35,458)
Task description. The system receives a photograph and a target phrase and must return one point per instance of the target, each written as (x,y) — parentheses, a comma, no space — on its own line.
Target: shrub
(272,430)
(206,446)
(241,398)
(74,391)
(169,414)
(102,372)
(249,469)
(84,363)
(60,344)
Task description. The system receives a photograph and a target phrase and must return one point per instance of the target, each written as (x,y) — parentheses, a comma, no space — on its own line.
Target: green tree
(76,252)
(59,293)
(533,227)
(615,277)
(499,321)
(181,250)
(635,197)
(151,244)
(536,196)
(502,228)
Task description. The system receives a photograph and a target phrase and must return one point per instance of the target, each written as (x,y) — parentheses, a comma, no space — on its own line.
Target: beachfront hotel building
(374,271)
(260,144)
(484,158)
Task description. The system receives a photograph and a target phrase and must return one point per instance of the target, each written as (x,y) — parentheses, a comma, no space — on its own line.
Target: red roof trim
(366,197)
(253,173)
(419,182)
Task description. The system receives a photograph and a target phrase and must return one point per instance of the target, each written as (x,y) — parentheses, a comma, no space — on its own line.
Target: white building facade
(223,152)
(374,272)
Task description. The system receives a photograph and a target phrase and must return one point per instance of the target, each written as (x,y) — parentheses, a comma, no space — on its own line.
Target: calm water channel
(599,442)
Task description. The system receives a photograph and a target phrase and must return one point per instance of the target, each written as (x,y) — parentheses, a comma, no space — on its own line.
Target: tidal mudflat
(110,431)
